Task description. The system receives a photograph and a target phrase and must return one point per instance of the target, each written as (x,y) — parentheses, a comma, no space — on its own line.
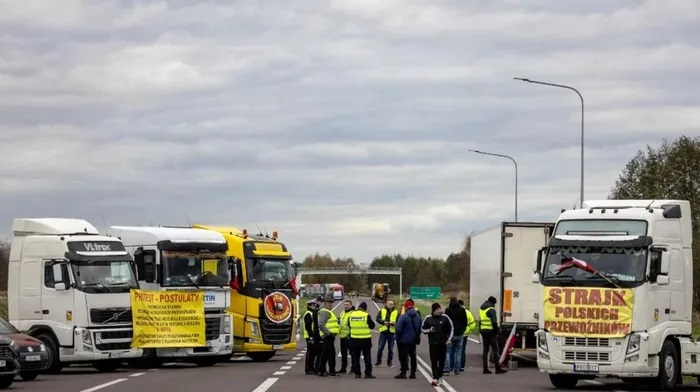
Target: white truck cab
(183,258)
(69,287)
(617,278)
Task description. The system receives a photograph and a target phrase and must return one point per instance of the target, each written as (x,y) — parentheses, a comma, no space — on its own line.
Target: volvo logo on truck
(95,246)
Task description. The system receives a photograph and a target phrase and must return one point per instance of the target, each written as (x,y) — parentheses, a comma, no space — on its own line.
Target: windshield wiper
(123,284)
(571,278)
(96,286)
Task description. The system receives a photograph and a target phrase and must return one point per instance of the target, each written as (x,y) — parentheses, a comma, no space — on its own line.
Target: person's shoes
(400,375)
(434,383)
(333,374)
(322,375)
(501,371)
(456,373)
(391,365)
(461,369)
(441,381)
(370,376)
(358,376)
(412,375)
(378,363)
(343,370)
(486,371)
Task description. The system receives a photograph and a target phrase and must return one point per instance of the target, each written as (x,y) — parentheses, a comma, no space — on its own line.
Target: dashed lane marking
(279,373)
(285,367)
(136,374)
(266,384)
(291,362)
(105,385)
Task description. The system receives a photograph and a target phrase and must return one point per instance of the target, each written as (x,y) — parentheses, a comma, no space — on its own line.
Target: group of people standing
(446,330)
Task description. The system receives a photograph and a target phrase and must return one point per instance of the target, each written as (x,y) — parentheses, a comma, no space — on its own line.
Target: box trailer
(502,263)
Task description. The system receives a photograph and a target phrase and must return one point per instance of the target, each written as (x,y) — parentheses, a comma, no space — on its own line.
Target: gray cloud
(345,124)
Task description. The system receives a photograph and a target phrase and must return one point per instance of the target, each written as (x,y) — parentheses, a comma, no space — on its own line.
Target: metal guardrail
(349,270)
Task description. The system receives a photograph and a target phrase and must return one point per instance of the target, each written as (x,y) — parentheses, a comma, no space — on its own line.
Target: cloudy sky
(345,125)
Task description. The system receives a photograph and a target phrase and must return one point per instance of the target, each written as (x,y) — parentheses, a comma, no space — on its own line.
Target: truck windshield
(265,270)
(624,266)
(104,276)
(194,269)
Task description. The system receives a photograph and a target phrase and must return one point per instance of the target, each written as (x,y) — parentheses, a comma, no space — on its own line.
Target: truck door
(521,297)
(57,300)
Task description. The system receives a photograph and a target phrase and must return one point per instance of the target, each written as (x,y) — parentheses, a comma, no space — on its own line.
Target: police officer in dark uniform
(312,337)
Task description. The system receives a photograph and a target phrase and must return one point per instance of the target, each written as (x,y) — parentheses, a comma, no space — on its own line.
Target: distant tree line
(451,274)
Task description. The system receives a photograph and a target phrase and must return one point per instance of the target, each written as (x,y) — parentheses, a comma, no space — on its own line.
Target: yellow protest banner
(588,311)
(168,319)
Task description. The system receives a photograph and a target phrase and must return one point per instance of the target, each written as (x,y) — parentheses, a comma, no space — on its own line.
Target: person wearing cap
(488,327)
(413,305)
(408,334)
(345,337)
(361,325)
(329,328)
(439,329)
(471,328)
(312,337)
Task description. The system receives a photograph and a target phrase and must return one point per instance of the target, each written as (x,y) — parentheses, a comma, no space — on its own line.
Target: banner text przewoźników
(168,319)
(588,311)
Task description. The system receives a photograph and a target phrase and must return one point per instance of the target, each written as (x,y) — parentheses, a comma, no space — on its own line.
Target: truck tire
(28,376)
(669,368)
(107,366)
(261,356)
(563,381)
(6,381)
(55,365)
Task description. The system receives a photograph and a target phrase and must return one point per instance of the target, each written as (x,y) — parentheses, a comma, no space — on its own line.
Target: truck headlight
(87,337)
(633,343)
(227,324)
(255,336)
(542,341)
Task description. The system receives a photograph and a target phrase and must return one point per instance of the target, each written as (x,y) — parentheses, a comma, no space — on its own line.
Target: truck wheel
(261,356)
(28,376)
(6,381)
(55,365)
(563,381)
(669,368)
(107,366)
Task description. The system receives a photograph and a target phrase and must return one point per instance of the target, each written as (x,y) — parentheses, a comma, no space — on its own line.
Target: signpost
(425,292)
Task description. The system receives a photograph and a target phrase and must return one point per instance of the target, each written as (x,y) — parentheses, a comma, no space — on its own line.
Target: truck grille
(586,356)
(212,327)
(587,342)
(110,315)
(275,333)
(108,335)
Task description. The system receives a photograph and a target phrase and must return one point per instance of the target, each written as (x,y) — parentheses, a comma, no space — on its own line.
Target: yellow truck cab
(263,299)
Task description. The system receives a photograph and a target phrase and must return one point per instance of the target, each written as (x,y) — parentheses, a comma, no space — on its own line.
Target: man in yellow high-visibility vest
(387,332)
(328,328)
(471,328)
(345,336)
(488,327)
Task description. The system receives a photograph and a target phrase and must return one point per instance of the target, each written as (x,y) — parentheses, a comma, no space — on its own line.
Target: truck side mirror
(58,277)
(149,264)
(662,280)
(536,277)
(665,263)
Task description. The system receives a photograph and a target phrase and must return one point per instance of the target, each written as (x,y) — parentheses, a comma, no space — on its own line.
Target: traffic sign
(425,292)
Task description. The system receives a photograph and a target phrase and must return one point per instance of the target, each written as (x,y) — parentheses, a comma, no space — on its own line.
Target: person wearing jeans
(471,327)
(456,314)
(387,330)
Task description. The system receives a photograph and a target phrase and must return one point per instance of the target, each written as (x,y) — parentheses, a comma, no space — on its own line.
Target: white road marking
(428,376)
(279,373)
(297,358)
(292,363)
(285,367)
(105,385)
(136,374)
(474,340)
(444,383)
(266,384)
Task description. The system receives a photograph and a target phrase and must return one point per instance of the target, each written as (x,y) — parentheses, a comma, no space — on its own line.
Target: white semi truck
(617,284)
(69,287)
(501,267)
(183,258)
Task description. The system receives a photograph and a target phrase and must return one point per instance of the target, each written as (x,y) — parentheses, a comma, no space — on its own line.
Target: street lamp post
(582,106)
(516,175)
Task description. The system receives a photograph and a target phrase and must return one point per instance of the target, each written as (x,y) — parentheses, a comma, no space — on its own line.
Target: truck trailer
(501,266)
(70,287)
(617,289)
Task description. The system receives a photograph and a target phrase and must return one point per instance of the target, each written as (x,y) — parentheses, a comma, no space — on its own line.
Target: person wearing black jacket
(458,316)
(439,329)
(312,337)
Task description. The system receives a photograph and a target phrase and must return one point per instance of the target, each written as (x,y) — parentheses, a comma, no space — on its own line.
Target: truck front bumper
(102,344)
(258,347)
(218,347)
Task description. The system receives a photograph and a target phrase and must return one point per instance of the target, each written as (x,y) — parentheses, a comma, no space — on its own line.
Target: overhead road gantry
(354,270)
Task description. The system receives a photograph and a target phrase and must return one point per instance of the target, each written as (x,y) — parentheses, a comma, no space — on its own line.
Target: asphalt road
(285,373)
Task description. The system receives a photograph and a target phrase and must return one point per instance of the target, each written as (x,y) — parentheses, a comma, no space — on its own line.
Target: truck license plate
(32,358)
(277,347)
(3,363)
(586,367)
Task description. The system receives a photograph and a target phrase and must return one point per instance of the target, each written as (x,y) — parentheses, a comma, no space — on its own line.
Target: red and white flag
(569,262)
(510,344)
